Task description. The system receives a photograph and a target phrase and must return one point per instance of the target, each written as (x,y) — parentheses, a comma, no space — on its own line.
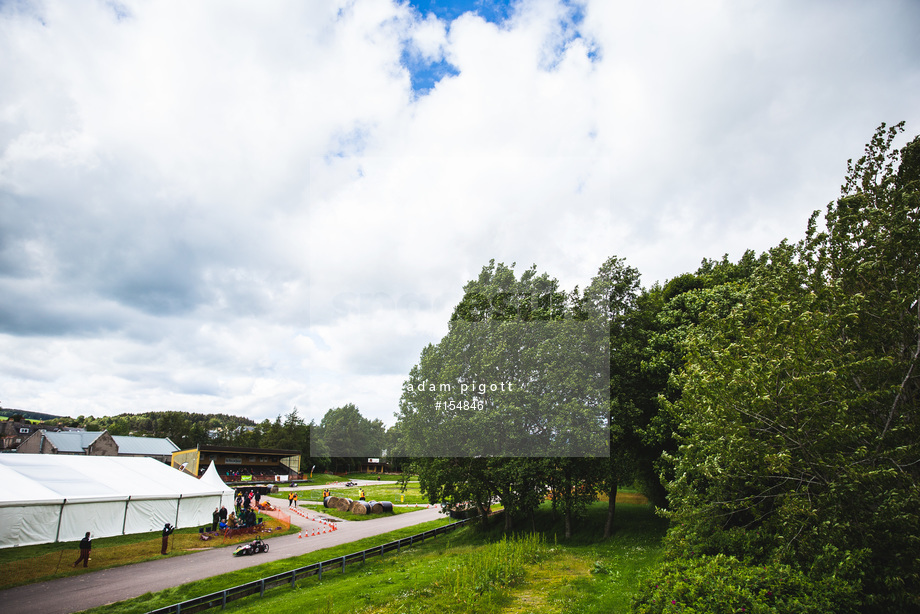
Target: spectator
(167,531)
(86,545)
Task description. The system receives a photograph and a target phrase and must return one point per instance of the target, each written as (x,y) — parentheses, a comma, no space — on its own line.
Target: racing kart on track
(254,547)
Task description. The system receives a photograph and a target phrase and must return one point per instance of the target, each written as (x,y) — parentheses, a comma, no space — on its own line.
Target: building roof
(235,450)
(75,442)
(145,446)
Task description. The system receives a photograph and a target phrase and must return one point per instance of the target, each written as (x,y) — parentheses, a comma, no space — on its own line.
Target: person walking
(290,499)
(167,531)
(86,545)
(295,499)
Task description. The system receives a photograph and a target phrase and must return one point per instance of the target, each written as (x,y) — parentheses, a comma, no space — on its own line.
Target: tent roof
(212,478)
(49,478)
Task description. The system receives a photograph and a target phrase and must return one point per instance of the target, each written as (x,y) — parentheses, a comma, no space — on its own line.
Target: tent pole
(124,522)
(57,535)
(178,503)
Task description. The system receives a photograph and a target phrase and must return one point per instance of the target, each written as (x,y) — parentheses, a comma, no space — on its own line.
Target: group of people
(292,499)
(220,518)
(246,500)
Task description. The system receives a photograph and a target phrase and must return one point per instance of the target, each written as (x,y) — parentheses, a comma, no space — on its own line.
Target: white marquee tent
(212,477)
(50,497)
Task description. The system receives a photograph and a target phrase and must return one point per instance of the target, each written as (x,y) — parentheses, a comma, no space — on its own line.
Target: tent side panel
(197,511)
(102,519)
(28,525)
(147,515)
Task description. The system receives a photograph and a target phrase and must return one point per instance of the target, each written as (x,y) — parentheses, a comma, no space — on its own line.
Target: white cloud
(242,207)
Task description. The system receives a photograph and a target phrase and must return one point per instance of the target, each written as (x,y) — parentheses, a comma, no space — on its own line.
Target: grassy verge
(152,601)
(358,518)
(477,570)
(383,492)
(328,478)
(29,564)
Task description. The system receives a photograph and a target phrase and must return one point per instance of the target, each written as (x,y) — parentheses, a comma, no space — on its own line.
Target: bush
(723,584)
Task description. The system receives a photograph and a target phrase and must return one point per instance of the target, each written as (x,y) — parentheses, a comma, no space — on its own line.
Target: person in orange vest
(362,494)
(295,499)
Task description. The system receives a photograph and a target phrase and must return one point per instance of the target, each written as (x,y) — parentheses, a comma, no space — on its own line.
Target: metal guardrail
(221,598)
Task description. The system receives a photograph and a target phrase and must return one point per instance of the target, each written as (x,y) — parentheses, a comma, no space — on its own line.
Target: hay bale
(343,504)
(361,508)
(385,507)
(373,507)
(327,501)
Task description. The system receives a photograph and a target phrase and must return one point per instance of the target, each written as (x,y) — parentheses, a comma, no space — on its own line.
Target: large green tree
(797,416)
(347,438)
(532,366)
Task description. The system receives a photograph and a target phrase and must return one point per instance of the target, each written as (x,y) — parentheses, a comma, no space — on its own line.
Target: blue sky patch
(424,74)
(494,11)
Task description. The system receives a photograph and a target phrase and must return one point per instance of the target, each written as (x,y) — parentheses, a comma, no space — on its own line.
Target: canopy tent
(212,477)
(49,497)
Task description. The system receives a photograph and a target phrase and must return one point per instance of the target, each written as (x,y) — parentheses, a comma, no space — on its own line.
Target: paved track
(77,593)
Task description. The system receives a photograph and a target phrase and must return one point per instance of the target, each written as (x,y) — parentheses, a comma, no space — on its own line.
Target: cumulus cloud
(241,208)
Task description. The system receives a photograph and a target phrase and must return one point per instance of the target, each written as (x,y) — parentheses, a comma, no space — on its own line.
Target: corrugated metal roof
(71,442)
(148,446)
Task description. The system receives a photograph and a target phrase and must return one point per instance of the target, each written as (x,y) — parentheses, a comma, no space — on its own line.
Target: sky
(250,207)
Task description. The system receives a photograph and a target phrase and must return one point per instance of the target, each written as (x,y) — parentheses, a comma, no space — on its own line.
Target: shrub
(723,584)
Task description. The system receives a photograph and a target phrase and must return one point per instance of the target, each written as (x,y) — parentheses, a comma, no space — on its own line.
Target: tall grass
(493,567)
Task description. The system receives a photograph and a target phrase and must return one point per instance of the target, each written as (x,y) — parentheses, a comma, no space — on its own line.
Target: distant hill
(28,415)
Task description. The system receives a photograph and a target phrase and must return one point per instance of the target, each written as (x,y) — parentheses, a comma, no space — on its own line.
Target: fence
(221,598)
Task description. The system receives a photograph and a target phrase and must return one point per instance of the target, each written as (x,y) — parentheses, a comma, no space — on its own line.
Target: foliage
(346,436)
(796,417)
(722,584)
(521,372)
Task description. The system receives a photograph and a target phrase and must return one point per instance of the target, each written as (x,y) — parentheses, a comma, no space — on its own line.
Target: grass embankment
(153,601)
(29,564)
(473,570)
(479,571)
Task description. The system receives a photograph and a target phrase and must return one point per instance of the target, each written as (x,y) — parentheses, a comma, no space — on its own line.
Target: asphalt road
(89,590)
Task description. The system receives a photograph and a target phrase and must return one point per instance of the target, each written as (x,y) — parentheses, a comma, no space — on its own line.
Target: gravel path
(77,593)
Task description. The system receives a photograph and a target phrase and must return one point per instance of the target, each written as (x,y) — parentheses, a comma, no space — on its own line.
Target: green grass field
(328,478)
(382,492)
(473,570)
(357,518)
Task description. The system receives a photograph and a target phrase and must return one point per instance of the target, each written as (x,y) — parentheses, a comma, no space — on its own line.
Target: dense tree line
(768,406)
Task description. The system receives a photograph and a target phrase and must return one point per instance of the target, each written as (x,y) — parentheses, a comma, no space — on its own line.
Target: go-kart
(254,547)
(351,483)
